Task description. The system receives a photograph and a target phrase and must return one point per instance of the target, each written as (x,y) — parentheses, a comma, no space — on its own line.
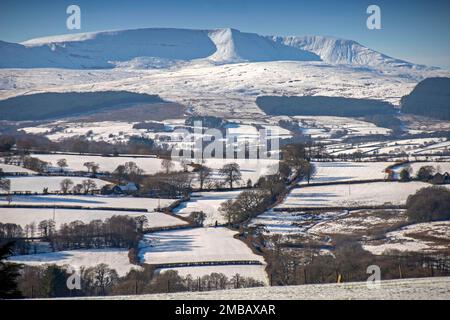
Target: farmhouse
(129,188)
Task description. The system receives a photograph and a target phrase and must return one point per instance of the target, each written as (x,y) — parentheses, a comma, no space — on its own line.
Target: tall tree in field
(88,185)
(120,173)
(62,163)
(228,210)
(9,272)
(95,167)
(128,172)
(203,174)
(89,166)
(65,185)
(231,173)
(102,277)
(133,172)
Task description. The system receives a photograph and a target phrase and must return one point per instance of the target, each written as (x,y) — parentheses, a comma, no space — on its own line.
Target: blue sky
(418,31)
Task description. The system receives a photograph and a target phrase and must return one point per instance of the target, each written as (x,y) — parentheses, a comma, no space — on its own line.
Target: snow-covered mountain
(235,46)
(112,48)
(341,51)
(107,49)
(217,72)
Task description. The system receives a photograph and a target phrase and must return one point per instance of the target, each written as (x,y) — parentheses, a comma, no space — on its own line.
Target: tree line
(116,232)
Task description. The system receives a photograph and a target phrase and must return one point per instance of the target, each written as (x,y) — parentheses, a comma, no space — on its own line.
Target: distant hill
(430,98)
(42,106)
(322,106)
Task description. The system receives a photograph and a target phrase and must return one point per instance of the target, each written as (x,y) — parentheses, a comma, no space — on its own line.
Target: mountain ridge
(106,49)
(336,50)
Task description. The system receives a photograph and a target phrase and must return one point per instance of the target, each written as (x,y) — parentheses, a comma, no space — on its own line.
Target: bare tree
(120,173)
(231,173)
(198,217)
(65,185)
(46,228)
(227,210)
(102,277)
(167,165)
(203,174)
(78,188)
(128,172)
(62,163)
(88,185)
(91,166)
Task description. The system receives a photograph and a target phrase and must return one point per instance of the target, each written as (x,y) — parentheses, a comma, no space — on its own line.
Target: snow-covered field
(256,272)
(437,288)
(411,147)
(38,183)
(115,258)
(209,203)
(420,237)
(9,168)
(24,216)
(324,127)
(276,222)
(110,131)
(250,168)
(361,194)
(346,171)
(92,201)
(195,245)
(360,222)
(195,83)
(76,162)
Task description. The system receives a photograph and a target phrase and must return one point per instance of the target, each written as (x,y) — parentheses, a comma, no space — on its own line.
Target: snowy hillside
(341,51)
(235,46)
(108,49)
(415,289)
(187,66)
(15,55)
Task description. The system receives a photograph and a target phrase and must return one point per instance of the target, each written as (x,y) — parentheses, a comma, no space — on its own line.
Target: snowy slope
(111,48)
(15,55)
(101,49)
(115,258)
(144,61)
(341,51)
(235,46)
(411,289)
(108,49)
